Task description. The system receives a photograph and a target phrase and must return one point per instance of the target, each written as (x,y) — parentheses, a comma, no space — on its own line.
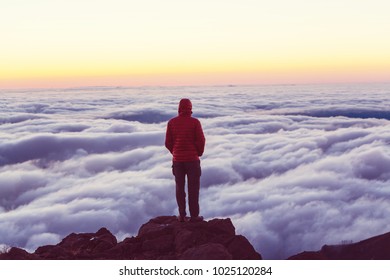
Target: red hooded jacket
(184,136)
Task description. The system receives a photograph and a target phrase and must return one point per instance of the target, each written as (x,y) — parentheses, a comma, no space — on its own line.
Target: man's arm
(169,139)
(200,140)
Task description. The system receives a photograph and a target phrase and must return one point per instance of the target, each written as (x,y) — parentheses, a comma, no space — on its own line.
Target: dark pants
(192,170)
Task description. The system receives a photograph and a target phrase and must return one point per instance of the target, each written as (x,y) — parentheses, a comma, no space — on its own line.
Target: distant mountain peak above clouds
(374,248)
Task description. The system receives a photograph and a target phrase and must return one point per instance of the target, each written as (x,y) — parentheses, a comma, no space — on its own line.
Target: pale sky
(65,43)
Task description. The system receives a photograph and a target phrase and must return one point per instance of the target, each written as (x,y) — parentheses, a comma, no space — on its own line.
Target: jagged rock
(166,238)
(375,248)
(80,246)
(209,251)
(17,254)
(160,238)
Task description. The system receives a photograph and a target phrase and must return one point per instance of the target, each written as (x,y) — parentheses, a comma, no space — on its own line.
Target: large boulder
(80,246)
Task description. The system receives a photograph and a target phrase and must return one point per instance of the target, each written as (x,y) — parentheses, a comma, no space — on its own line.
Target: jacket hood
(185,107)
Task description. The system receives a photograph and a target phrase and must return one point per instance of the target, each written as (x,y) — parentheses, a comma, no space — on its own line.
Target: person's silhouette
(185,140)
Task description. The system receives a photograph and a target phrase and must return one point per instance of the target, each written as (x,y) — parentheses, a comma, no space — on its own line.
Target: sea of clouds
(294,167)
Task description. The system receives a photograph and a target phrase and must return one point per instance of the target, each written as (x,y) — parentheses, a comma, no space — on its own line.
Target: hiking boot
(196,219)
(182,219)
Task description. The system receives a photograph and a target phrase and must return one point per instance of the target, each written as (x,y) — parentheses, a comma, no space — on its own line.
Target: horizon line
(193,85)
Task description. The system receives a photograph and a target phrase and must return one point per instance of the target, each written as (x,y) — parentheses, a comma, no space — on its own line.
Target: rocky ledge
(160,238)
(374,248)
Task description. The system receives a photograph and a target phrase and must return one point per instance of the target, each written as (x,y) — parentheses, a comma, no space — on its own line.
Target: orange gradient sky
(68,43)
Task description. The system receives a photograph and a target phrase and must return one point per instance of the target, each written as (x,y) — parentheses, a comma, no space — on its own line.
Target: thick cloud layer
(295,167)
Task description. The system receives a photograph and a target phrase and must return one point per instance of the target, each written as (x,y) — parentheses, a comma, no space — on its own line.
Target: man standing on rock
(185,140)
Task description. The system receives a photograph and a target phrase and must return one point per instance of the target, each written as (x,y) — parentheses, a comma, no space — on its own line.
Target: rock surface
(160,238)
(375,248)
(165,238)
